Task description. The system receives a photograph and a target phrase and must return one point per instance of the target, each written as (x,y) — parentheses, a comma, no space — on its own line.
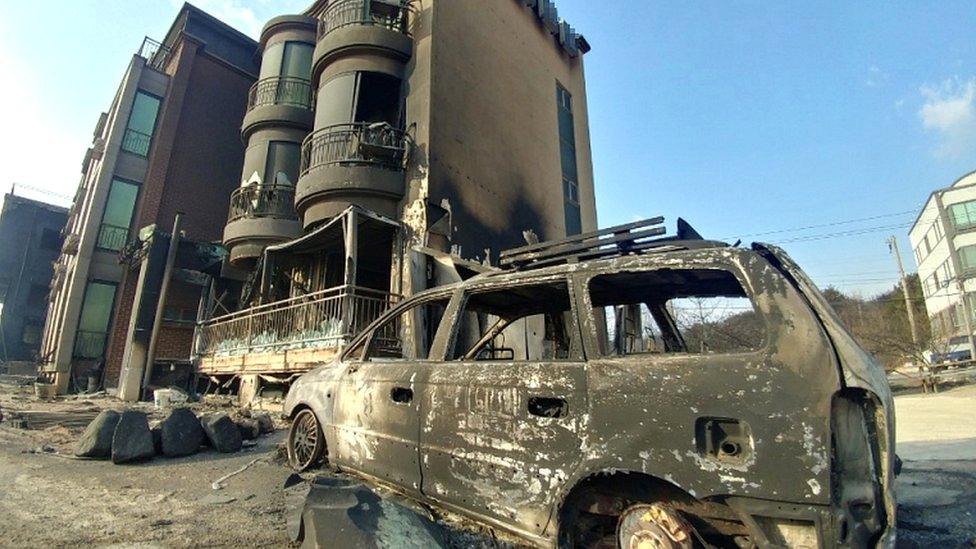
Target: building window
(142,123)
(96,316)
(114,232)
(963,215)
(282,165)
(567,154)
(287,59)
(360,97)
(967,257)
(30,334)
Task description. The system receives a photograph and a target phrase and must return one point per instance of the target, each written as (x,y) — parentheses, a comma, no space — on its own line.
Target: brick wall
(194,166)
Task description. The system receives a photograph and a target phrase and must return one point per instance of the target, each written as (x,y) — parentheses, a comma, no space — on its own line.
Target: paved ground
(47,500)
(937,488)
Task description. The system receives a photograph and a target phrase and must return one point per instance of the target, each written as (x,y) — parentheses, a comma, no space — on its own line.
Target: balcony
(136,142)
(70,246)
(357,25)
(279,100)
(259,216)
(320,321)
(348,164)
(112,238)
(156,54)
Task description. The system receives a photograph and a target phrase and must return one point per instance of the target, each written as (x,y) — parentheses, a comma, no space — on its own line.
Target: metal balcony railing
(136,142)
(325,319)
(260,201)
(389,14)
(112,237)
(70,246)
(155,53)
(281,90)
(90,345)
(378,144)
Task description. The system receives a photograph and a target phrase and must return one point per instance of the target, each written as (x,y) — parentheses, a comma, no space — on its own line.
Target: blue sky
(749,119)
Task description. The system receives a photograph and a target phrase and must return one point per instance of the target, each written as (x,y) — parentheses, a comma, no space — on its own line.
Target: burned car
(618,389)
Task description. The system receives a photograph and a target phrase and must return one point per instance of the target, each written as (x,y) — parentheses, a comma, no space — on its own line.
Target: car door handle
(550,407)
(401,395)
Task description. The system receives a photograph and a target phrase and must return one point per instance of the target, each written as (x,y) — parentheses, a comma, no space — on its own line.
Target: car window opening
(694,311)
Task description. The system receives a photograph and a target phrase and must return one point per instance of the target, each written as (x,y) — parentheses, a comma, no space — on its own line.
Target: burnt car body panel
(752,436)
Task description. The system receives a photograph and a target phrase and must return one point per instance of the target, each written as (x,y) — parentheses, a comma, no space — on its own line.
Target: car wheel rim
(305,439)
(653,527)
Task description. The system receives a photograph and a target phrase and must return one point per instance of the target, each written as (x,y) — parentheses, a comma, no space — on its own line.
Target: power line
(853,232)
(823,225)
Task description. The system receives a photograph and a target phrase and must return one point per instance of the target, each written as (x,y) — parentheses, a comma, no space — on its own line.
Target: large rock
(249,427)
(132,441)
(96,441)
(182,434)
(222,432)
(265,421)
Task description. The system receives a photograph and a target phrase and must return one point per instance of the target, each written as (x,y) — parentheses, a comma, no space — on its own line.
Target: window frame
(577,348)
(128,123)
(365,338)
(594,352)
(110,325)
(132,215)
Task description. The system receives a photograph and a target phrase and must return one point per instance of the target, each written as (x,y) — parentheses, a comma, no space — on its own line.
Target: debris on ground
(219,483)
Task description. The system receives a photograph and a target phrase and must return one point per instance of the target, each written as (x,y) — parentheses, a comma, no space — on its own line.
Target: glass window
(271,61)
(967,256)
(526,323)
(142,123)
(96,315)
(282,165)
(408,335)
(51,239)
(296,60)
(699,311)
(114,232)
(335,101)
(378,98)
(567,153)
(963,215)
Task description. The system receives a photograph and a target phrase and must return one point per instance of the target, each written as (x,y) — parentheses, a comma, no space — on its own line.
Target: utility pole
(893,247)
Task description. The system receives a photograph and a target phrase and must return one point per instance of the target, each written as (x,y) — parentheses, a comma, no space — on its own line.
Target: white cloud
(876,77)
(950,112)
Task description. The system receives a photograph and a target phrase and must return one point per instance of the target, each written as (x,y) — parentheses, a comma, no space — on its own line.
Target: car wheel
(306,443)
(653,526)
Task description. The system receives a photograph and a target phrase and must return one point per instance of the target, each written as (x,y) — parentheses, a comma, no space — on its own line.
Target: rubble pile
(127,437)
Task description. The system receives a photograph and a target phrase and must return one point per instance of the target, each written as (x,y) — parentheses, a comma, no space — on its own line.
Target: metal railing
(89,344)
(260,201)
(136,142)
(389,14)
(155,53)
(379,144)
(112,237)
(325,319)
(281,90)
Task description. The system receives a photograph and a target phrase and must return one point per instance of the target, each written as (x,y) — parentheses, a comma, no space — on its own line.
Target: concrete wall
(494,138)
(30,241)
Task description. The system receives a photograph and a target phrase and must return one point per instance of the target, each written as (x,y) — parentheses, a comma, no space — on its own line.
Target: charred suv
(618,388)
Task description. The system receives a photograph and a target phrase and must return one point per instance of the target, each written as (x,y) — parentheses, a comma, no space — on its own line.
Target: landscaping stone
(222,432)
(250,428)
(265,421)
(96,441)
(182,433)
(132,441)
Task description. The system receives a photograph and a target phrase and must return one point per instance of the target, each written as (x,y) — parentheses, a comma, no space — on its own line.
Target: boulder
(132,441)
(265,421)
(222,432)
(96,441)
(182,433)
(250,428)
(157,433)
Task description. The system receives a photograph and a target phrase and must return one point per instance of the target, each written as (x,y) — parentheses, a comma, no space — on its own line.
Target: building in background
(392,147)
(169,143)
(944,240)
(30,243)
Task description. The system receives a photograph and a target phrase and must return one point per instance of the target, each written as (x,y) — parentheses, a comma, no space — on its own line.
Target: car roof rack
(629,239)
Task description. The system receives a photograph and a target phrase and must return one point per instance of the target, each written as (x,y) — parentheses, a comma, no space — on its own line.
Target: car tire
(306,442)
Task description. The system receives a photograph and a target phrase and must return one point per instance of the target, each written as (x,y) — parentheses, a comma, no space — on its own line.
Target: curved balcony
(347,164)
(259,217)
(279,100)
(363,25)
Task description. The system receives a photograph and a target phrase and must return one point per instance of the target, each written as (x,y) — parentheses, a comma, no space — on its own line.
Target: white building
(944,240)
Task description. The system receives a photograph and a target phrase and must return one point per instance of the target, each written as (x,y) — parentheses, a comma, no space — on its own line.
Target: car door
(501,426)
(377,412)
